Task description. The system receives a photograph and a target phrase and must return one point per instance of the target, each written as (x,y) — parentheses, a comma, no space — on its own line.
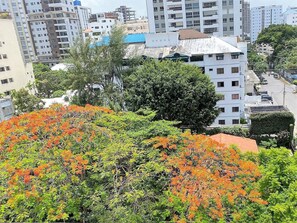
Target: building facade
(264,16)
(224,60)
(290,16)
(136,26)
(221,18)
(6,109)
(128,13)
(246,20)
(15,72)
(47,28)
(101,25)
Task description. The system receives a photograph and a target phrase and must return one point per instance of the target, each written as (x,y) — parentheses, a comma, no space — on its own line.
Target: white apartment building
(3,6)
(223,59)
(290,16)
(136,26)
(264,16)
(47,28)
(218,17)
(101,25)
(15,73)
(83,13)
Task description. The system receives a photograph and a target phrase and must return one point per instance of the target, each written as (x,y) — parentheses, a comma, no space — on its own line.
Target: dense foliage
(48,82)
(257,63)
(175,90)
(283,39)
(89,164)
(271,123)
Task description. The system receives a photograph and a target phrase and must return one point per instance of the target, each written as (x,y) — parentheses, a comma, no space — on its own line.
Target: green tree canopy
(175,90)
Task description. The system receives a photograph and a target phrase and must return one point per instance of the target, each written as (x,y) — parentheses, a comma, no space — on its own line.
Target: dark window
(235,121)
(234,70)
(197,58)
(235,109)
(220,56)
(222,122)
(235,83)
(220,70)
(220,84)
(222,110)
(4,81)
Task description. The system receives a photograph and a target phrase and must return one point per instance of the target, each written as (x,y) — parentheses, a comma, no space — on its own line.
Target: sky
(140,5)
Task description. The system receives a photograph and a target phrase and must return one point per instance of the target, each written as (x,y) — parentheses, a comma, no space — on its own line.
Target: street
(275,88)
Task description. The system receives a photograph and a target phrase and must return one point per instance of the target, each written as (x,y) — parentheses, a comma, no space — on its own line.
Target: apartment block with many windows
(264,16)
(221,18)
(15,72)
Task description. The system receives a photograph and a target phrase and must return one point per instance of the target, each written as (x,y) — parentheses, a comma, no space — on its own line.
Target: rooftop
(267,109)
(243,144)
(191,34)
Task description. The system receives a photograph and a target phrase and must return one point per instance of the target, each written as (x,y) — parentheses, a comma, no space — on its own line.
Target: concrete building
(246,20)
(3,6)
(221,18)
(47,29)
(83,13)
(128,13)
(101,24)
(264,16)
(15,73)
(136,26)
(290,16)
(6,109)
(224,60)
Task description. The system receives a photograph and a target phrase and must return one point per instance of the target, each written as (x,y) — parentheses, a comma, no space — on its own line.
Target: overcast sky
(140,5)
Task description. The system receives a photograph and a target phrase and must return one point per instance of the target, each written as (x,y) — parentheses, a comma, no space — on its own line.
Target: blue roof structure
(77,3)
(130,38)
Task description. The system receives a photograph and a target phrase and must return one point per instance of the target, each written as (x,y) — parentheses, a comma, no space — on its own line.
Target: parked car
(264,82)
(266,97)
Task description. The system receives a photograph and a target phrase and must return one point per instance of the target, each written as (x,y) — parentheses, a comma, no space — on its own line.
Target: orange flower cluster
(206,174)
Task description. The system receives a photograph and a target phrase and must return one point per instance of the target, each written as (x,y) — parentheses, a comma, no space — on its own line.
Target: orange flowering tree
(90,164)
(209,182)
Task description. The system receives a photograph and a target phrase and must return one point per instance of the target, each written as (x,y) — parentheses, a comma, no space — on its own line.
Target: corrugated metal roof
(129,39)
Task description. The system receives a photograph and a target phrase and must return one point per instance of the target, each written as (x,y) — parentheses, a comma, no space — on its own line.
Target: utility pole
(284,95)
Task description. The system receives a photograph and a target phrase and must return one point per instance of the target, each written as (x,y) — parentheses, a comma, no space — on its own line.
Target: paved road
(275,88)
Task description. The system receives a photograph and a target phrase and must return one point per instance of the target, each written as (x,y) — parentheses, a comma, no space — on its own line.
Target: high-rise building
(48,28)
(290,16)
(128,13)
(246,19)
(264,16)
(15,73)
(3,6)
(222,18)
(83,13)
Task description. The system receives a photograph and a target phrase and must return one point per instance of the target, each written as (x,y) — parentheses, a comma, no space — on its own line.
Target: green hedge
(271,123)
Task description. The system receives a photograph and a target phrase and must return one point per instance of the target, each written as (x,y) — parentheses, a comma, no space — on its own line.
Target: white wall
(161,39)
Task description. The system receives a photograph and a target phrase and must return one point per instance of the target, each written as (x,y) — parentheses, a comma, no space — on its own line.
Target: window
(222,122)
(222,110)
(220,56)
(234,70)
(2,69)
(210,55)
(4,81)
(235,83)
(235,121)
(196,58)
(7,67)
(220,84)
(231,19)
(224,20)
(234,56)
(10,79)
(220,70)
(155,9)
(235,96)
(221,97)
(156,17)
(235,109)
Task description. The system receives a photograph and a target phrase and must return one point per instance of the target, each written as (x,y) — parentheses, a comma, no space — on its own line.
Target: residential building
(221,18)
(246,19)
(47,29)
(290,16)
(83,13)
(136,26)
(243,144)
(128,13)
(6,109)
(101,24)
(15,73)
(223,59)
(264,48)
(264,16)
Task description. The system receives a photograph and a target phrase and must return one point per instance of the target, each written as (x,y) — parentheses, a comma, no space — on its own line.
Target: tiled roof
(191,34)
(243,144)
